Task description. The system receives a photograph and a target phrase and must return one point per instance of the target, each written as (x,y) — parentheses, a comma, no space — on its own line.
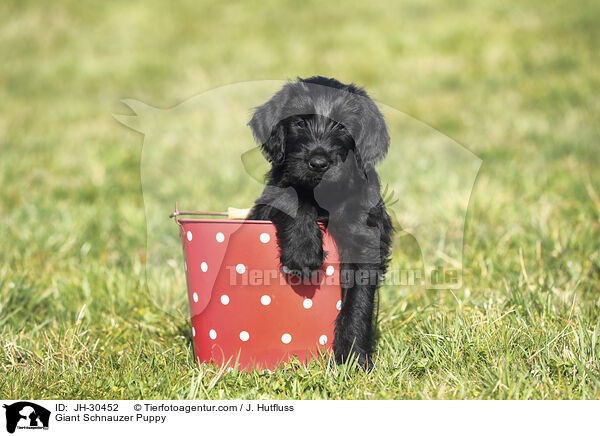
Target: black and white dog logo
(26,415)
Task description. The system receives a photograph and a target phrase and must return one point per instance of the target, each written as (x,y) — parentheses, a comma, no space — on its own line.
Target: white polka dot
(220,237)
(323,339)
(329,271)
(265,300)
(339,305)
(240,268)
(193,332)
(189,235)
(286,338)
(185,266)
(204,266)
(307,303)
(195,296)
(286,270)
(224,300)
(264,238)
(244,335)
(212,334)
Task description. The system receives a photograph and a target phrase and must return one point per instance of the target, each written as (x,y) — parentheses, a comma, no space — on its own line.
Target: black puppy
(323,139)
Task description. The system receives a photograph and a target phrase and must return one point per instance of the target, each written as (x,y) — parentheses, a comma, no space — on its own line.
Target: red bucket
(245,309)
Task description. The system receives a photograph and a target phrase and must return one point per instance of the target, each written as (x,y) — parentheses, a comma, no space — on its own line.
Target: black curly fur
(323,139)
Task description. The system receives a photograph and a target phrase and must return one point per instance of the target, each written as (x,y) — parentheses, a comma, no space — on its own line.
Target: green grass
(516,84)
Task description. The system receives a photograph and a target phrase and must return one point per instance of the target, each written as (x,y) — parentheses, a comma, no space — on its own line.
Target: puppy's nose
(318,163)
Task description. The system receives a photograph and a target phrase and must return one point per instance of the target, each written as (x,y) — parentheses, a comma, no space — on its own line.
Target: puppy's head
(310,127)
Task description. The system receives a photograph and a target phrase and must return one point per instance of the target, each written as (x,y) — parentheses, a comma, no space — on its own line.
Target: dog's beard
(309,181)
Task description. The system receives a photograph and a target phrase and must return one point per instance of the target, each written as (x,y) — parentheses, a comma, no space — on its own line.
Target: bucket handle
(232,213)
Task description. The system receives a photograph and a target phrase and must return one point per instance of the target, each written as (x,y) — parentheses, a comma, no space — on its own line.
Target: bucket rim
(221,221)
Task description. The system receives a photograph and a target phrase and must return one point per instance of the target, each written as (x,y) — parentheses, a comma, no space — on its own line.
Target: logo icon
(26,415)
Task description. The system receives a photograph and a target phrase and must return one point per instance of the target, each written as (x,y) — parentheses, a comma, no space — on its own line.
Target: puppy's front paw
(345,352)
(302,263)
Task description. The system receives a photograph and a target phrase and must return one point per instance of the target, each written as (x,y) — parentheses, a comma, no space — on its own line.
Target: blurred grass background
(517,84)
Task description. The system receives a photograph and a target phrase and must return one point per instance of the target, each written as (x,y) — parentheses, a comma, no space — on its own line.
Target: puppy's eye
(301,122)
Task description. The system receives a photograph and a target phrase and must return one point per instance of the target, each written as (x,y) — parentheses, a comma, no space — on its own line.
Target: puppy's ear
(373,140)
(267,127)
